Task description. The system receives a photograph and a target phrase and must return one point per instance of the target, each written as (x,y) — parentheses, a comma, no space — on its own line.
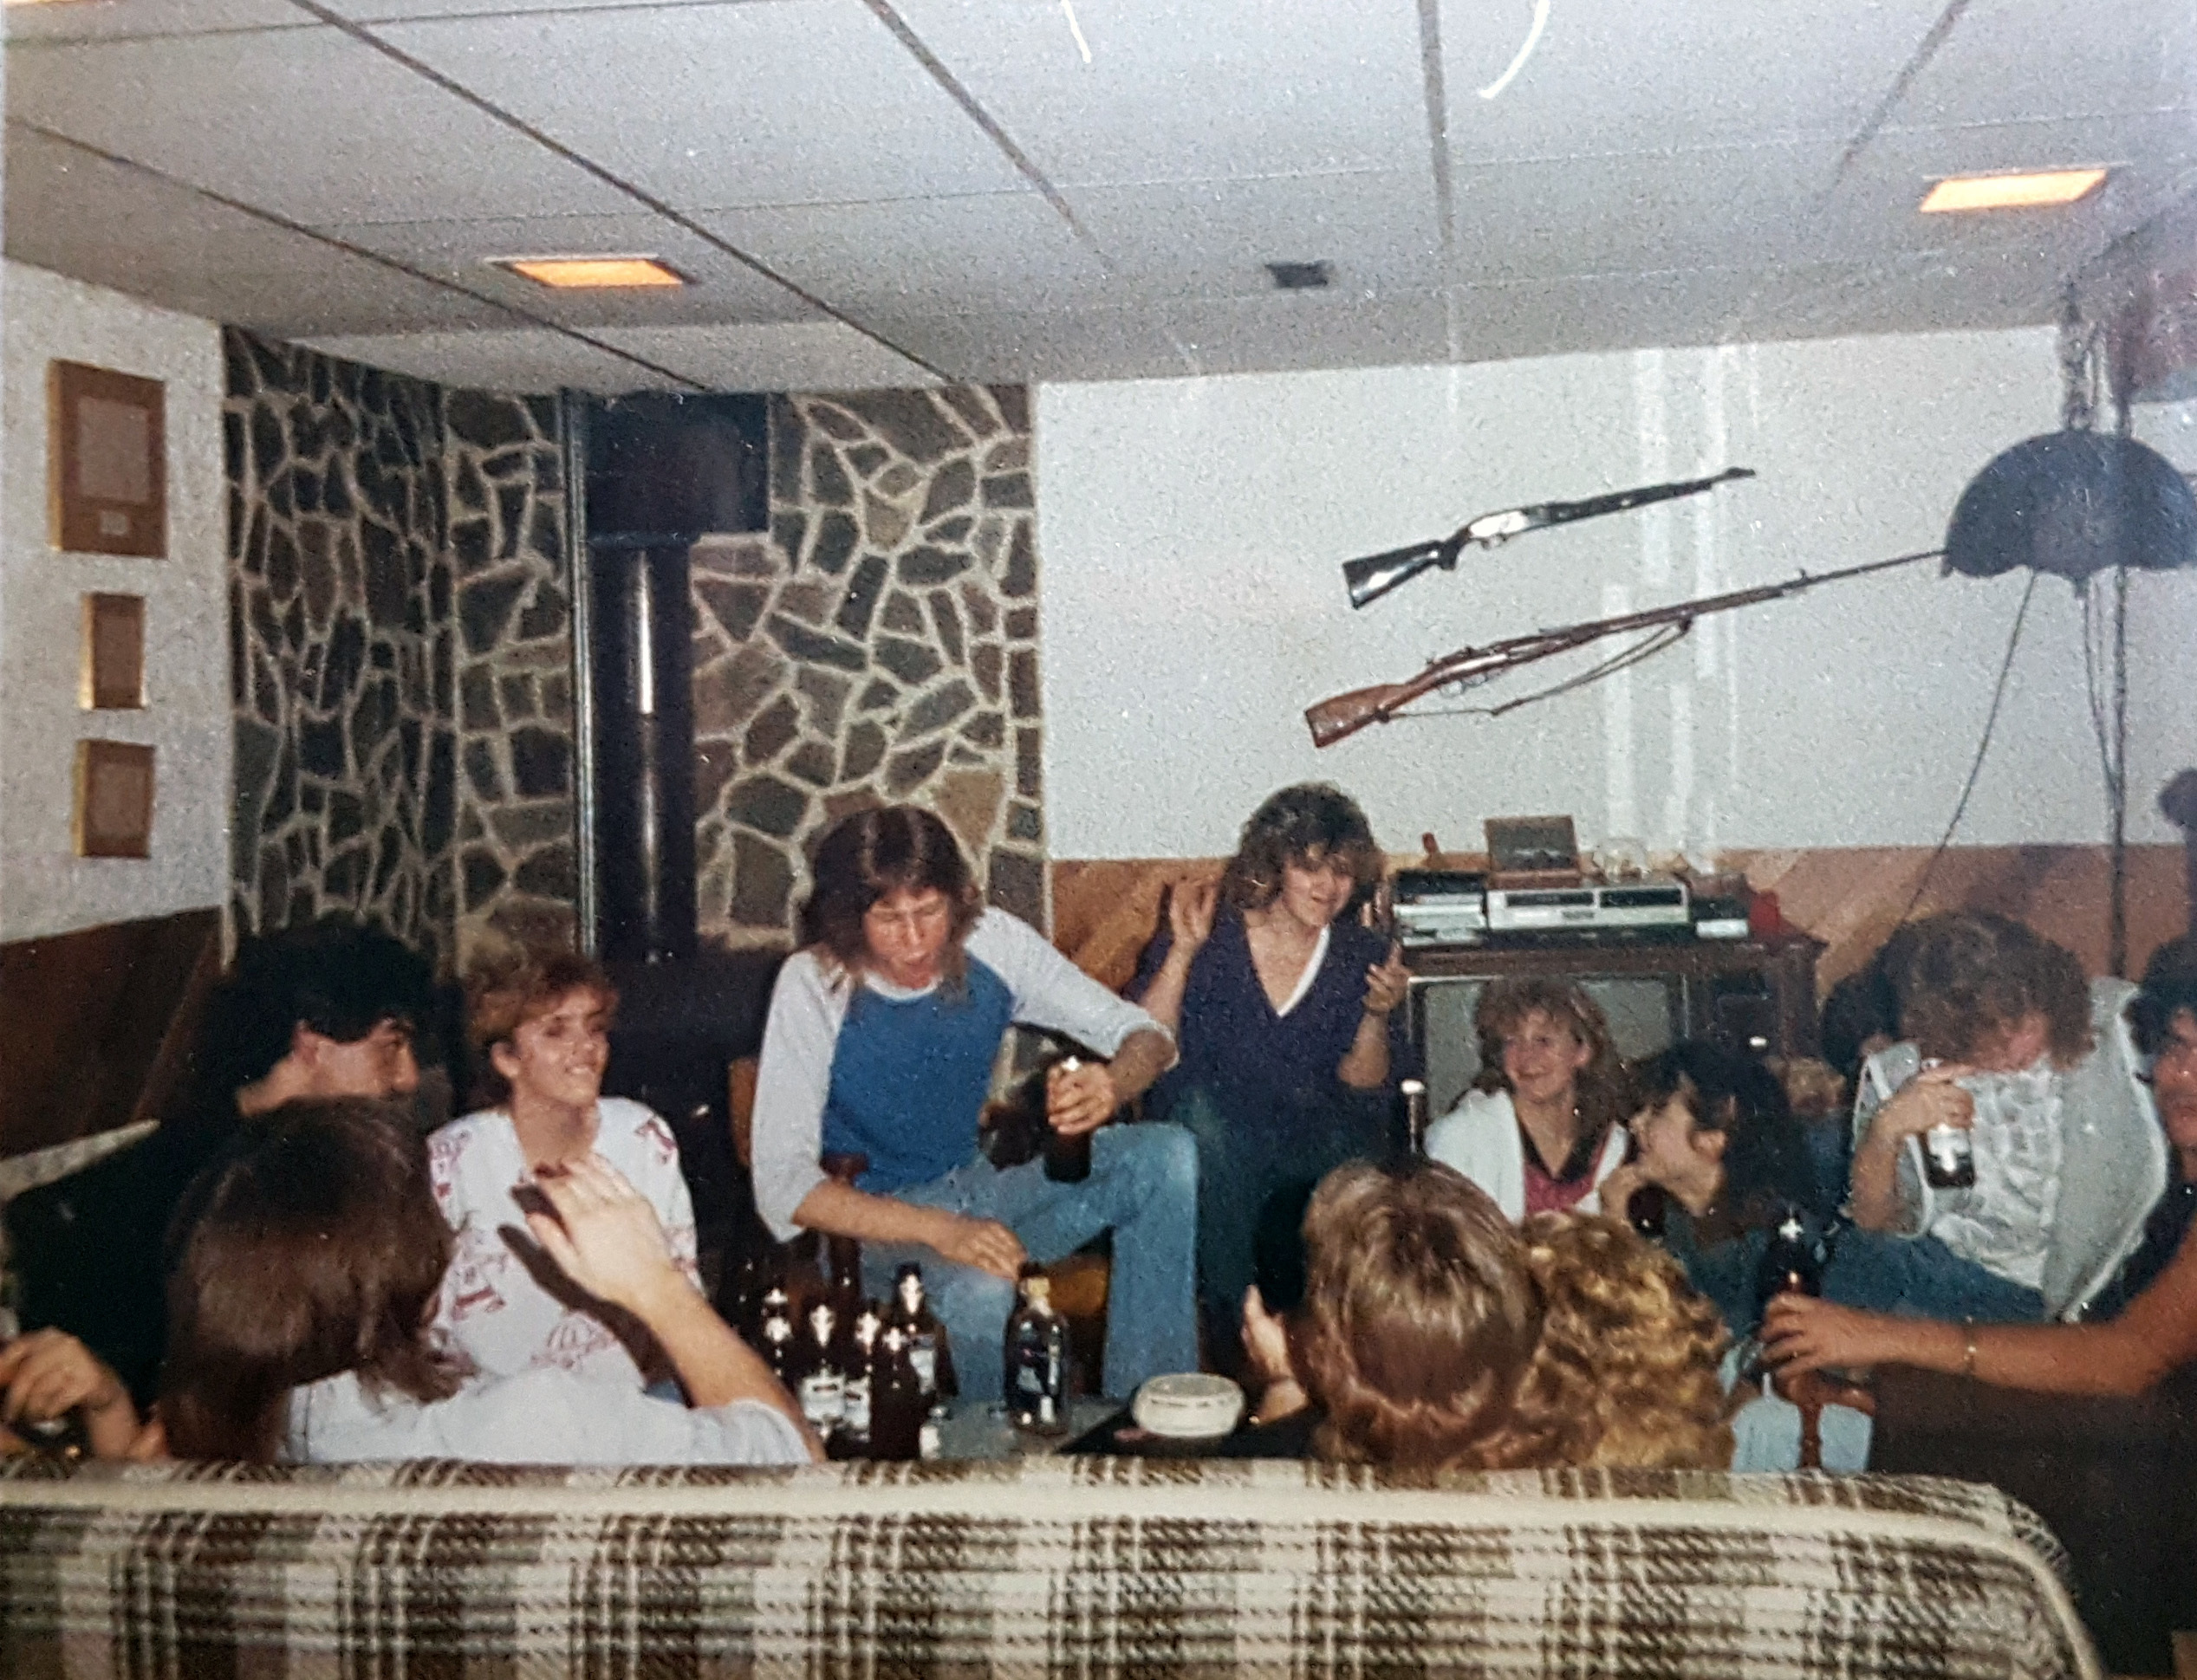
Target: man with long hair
(882,1033)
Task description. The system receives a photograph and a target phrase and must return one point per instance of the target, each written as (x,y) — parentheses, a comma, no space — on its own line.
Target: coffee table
(979,1429)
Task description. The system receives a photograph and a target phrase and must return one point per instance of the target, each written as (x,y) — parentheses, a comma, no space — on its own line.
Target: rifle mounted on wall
(1343,714)
(1371,578)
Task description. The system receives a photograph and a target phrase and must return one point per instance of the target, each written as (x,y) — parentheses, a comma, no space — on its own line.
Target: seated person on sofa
(2153,1334)
(2042,1076)
(324,1010)
(298,1317)
(1436,1334)
(539,1021)
(1714,1132)
(1546,1123)
(879,1042)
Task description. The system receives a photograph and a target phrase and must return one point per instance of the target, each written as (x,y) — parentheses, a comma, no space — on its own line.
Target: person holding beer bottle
(881,1039)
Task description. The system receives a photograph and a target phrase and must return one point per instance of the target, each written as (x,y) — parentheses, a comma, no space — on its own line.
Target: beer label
(923,1354)
(856,1406)
(927,1444)
(823,1397)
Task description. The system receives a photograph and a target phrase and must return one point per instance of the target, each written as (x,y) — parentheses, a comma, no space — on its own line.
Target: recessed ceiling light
(2053,186)
(1301,276)
(578,272)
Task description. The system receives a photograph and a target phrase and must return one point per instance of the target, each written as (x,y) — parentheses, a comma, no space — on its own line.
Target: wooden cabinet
(1750,997)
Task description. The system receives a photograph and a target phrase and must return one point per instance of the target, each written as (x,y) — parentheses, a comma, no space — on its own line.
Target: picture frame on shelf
(114,800)
(107,461)
(112,677)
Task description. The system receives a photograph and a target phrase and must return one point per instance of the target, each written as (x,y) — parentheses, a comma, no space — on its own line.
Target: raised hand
(1191,908)
(1387,983)
(604,1234)
(1928,1100)
(49,1374)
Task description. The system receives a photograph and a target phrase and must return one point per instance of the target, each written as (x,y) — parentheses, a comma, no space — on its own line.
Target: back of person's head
(1309,822)
(1970,975)
(311,1245)
(508,985)
(1765,1157)
(2169,989)
(1420,1319)
(1625,1371)
(340,977)
(870,855)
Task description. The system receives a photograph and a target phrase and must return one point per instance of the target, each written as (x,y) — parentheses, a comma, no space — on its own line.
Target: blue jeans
(1920,1278)
(1143,1187)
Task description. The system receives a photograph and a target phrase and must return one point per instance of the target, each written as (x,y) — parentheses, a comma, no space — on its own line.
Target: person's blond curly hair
(1625,1374)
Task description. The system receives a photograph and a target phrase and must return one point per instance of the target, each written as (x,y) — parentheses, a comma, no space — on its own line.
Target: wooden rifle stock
(1342,716)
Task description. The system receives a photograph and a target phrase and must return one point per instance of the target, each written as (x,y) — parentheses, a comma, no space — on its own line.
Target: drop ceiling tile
(1919,294)
(1378,229)
(305,122)
(1648,212)
(119,227)
(531,360)
(392,11)
(1217,89)
(1086,344)
(1312,330)
(800,101)
(825,355)
(1615,76)
(2017,59)
(1008,251)
(1572,314)
(104,20)
(723,289)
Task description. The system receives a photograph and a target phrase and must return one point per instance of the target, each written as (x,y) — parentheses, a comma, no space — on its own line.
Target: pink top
(1547,1193)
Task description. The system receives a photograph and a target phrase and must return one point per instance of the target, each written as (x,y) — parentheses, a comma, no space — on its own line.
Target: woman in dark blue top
(1284,1009)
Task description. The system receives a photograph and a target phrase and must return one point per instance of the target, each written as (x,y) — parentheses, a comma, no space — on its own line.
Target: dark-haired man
(324,1010)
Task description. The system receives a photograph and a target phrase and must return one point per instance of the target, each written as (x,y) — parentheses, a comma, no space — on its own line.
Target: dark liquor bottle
(1790,1264)
(1648,1209)
(1068,1160)
(896,1403)
(1948,1151)
(929,1350)
(861,1367)
(1036,1354)
(781,1349)
(823,1380)
(1415,1093)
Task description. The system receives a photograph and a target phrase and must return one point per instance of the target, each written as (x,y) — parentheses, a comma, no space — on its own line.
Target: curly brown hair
(510,986)
(1603,1092)
(1420,1319)
(1311,822)
(872,854)
(1626,1372)
(1969,976)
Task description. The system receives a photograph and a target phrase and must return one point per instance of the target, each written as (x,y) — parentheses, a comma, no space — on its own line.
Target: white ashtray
(1188,1407)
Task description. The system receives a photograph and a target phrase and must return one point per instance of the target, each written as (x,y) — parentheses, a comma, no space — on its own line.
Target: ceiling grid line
(335,242)
(1437,94)
(609,178)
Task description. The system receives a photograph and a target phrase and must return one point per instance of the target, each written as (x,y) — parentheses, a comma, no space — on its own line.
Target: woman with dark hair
(1545,1125)
(298,1317)
(1715,1133)
(879,1042)
(539,1021)
(1285,1008)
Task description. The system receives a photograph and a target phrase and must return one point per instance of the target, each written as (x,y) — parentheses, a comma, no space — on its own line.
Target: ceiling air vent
(1301,276)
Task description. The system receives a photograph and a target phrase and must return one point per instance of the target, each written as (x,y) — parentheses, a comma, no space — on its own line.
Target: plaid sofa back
(1061,1567)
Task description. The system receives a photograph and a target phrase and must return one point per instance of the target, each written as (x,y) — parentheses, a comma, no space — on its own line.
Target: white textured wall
(1191,533)
(44,887)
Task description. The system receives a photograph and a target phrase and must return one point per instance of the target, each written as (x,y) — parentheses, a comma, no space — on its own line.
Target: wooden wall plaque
(107,461)
(114,800)
(113,656)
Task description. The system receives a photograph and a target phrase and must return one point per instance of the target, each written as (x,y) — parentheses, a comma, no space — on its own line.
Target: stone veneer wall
(878,644)
(517,868)
(397,591)
(339,644)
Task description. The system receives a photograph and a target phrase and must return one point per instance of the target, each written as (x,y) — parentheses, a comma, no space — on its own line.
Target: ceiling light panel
(1226,89)
(591,273)
(311,125)
(742,110)
(2040,190)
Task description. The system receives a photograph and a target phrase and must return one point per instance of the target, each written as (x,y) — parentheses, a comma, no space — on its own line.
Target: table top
(979,1429)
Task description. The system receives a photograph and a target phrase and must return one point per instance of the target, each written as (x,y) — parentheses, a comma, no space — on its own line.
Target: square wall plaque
(106,461)
(114,800)
(114,659)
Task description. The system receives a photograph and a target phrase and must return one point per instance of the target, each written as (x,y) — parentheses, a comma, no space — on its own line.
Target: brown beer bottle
(929,1350)
(1036,1354)
(1068,1160)
(896,1403)
(781,1350)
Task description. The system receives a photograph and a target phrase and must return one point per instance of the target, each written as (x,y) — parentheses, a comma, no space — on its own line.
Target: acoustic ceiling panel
(529,359)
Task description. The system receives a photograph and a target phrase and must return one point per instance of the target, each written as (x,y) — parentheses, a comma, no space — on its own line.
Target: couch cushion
(1042,1567)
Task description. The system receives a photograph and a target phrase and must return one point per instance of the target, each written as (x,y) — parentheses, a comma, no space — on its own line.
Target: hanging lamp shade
(2073,502)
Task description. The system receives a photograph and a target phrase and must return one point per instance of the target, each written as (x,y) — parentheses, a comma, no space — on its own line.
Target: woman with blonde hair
(1545,1125)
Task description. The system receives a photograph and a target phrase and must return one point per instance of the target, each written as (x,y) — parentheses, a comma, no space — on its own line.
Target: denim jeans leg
(1919,1277)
